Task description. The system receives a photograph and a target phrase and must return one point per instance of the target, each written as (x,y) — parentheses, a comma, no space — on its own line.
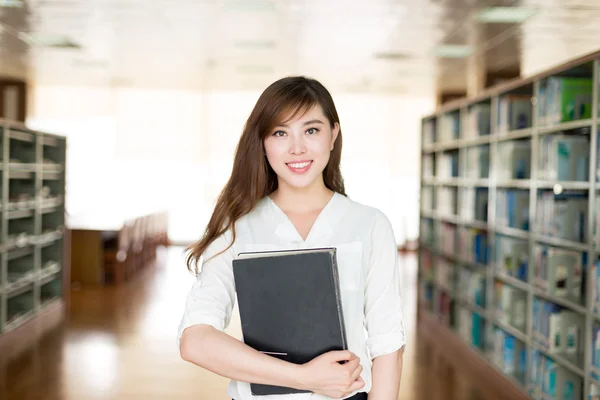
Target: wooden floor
(120,344)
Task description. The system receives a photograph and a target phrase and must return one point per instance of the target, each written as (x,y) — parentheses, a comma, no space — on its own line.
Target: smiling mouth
(299,167)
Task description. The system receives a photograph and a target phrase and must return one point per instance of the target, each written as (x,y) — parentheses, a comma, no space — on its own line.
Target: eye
(279,134)
(312,131)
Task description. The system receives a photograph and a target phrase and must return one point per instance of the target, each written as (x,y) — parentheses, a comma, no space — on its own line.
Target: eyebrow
(312,121)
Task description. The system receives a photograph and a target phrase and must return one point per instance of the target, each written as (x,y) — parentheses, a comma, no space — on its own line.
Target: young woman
(286,192)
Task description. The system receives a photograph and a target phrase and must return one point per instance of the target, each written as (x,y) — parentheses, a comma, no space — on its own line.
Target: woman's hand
(325,375)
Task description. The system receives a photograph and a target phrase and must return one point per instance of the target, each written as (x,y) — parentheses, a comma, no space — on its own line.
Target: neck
(311,198)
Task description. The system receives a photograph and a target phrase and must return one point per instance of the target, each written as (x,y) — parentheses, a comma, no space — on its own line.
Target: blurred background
(151,97)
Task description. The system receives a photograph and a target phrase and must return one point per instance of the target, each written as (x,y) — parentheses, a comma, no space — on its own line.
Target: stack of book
(564,99)
(556,329)
(513,208)
(559,272)
(516,159)
(477,120)
(550,381)
(512,257)
(514,112)
(563,215)
(564,157)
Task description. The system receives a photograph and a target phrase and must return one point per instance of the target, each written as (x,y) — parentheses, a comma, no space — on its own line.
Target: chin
(297,182)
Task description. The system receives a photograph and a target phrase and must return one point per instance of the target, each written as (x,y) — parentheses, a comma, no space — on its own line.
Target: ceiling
(351,45)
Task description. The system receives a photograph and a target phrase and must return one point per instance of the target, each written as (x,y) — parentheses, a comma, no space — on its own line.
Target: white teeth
(299,165)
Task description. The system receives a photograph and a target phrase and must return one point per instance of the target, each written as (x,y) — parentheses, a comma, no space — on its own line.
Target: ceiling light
(11,3)
(248,6)
(453,51)
(48,41)
(511,15)
(389,55)
(254,44)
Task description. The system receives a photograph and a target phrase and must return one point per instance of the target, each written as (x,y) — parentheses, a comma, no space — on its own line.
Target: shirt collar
(321,229)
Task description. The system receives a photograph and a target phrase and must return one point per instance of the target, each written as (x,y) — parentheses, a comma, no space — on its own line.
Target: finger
(343,355)
(356,373)
(357,384)
(352,364)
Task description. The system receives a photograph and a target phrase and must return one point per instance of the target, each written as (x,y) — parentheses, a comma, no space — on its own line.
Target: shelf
(452,181)
(560,301)
(49,141)
(514,282)
(51,175)
(516,134)
(565,126)
(21,136)
(516,233)
(22,167)
(20,214)
(564,360)
(453,219)
(18,253)
(21,286)
(20,175)
(512,331)
(476,224)
(549,240)
(15,323)
(51,167)
(514,183)
(539,152)
(564,185)
(472,307)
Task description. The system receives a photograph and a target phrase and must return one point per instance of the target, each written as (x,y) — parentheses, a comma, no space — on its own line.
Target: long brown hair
(252,177)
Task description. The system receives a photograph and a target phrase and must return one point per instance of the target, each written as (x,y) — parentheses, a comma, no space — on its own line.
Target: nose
(297,145)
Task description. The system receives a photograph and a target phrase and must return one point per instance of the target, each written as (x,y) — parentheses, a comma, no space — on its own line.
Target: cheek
(273,151)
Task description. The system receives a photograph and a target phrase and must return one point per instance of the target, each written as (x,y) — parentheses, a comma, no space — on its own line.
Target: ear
(334,134)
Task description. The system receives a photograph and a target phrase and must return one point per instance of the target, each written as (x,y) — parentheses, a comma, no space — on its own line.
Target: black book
(290,306)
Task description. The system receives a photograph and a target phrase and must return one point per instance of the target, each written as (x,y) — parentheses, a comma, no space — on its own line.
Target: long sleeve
(212,297)
(384,321)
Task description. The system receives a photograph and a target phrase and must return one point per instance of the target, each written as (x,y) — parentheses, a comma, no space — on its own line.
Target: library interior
(472,125)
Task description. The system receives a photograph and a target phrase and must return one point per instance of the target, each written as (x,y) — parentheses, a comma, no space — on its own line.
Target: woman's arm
(386,370)
(224,355)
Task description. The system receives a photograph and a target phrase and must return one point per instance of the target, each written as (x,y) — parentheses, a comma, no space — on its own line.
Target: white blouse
(369,278)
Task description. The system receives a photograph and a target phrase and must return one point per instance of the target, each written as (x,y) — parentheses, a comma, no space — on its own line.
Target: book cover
(290,306)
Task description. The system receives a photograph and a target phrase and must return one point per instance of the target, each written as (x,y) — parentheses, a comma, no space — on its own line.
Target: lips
(299,167)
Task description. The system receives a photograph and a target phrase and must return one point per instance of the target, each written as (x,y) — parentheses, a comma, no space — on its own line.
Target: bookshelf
(33,237)
(509,247)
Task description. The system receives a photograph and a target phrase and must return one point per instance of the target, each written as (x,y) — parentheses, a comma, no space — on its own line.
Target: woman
(286,192)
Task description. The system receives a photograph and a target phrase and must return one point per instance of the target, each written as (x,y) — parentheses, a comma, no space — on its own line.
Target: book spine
(336,281)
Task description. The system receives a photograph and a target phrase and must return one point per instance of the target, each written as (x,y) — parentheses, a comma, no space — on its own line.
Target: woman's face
(299,150)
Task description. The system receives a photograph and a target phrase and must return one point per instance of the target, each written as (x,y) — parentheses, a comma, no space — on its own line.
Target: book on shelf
(558,330)
(512,257)
(290,306)
(559,272)
(515,156)
(473,245)
(565,99)
(447,166)
(509,354)
(449,127)
(550,380)
(563,215)
(564,157)
(477,120)
(595,276)
(514,112)
(511,305)
(513,208)
(429,131)
(478,162)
